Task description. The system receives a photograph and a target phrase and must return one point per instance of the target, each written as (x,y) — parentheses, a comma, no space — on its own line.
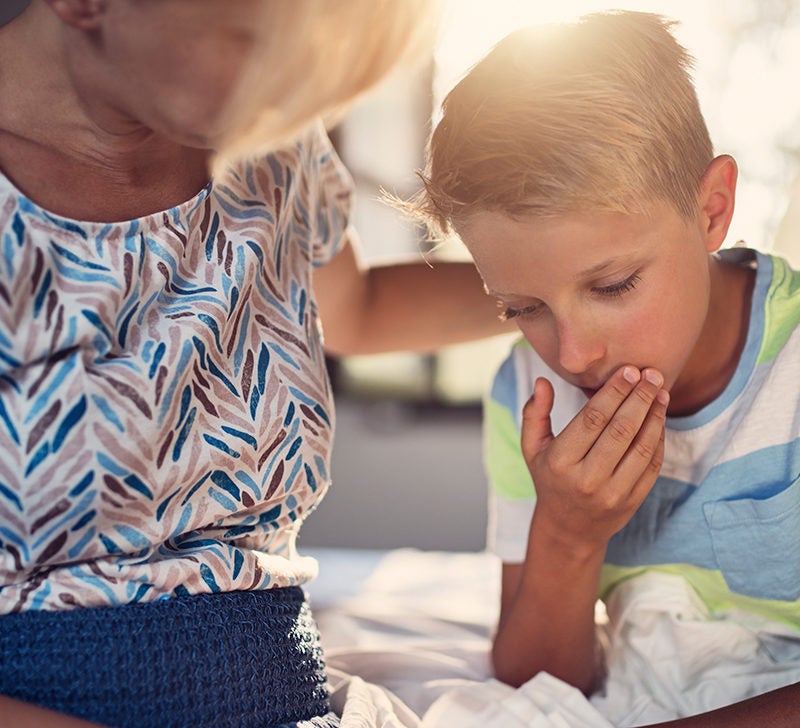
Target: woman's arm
(408,306)
(16,714)
(777,709)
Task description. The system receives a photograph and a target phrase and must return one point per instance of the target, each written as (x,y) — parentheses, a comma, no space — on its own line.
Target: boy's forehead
(511,250)
(494,226)
(480,224)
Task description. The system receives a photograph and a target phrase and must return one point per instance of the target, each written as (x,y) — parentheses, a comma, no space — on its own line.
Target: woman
(165,416)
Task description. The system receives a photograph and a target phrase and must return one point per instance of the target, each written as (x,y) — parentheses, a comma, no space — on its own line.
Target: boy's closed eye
(612,290)
(617,289)
(509,313)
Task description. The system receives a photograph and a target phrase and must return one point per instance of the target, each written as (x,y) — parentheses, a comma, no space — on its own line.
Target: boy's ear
(81,14)
(717,197)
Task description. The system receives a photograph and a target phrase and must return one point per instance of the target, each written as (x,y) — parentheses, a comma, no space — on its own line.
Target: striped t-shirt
(725,511)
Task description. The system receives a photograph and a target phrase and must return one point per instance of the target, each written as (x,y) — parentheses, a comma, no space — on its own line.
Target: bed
(407,636)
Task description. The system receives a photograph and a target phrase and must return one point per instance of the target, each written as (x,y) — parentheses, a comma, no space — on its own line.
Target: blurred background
(407,461)
(407,466)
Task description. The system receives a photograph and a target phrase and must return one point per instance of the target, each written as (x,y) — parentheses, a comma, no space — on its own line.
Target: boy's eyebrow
(600,267)
(587,273)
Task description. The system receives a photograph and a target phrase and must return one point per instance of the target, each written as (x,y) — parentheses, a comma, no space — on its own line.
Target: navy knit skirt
(238,660)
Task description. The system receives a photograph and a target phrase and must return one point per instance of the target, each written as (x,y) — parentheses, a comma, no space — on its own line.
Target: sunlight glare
(746,57)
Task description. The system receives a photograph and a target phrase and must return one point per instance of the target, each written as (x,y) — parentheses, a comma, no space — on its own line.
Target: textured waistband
(237,660)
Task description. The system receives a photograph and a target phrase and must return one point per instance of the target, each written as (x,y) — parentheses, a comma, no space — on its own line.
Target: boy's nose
(580,347)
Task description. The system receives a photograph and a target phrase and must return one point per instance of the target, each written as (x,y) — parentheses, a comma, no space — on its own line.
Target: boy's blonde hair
(315,57)
(596,115)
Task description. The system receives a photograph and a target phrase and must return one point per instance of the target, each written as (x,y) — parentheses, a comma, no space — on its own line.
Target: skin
(636,311)
(136,94)
(133,159)
(588,292)
(16,714)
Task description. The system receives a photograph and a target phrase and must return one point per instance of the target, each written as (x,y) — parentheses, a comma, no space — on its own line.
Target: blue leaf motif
(9,494)
(208,578)
(97,322)
(82,485)
(263,363)
(41,294)
(160,349)
(12,431)
(70,420)
(132,481)
(224,481)
(294,447)
(238,560)
(249,439)
(37,458)
(220,445)
(111,547)
(289,414)
(184,433)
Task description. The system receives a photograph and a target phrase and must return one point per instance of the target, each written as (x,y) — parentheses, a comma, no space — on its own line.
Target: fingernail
(663,397)
(652,376)
(630,374)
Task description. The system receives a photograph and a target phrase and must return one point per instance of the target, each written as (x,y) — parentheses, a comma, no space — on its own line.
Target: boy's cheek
(544,345)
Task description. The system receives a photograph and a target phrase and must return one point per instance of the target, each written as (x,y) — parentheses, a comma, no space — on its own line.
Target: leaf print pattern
(165,412)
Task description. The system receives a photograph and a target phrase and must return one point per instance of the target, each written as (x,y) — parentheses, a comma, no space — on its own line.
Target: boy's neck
(719,349)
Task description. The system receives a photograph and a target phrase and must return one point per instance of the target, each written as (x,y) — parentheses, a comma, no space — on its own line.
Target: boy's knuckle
(645,450)
(656,461)
(594,418)
(644,395)
(621,390)
(621,429)
(559,464)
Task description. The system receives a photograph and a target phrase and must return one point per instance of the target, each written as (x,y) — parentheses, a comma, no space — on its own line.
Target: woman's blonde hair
(315,58)
(596,115)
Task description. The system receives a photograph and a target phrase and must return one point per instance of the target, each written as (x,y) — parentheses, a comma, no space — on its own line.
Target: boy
(660,432)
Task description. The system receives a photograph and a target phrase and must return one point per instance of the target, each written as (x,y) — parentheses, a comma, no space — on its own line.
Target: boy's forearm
(778,709)
(549,624)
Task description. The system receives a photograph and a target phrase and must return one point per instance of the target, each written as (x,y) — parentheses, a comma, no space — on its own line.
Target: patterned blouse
(165,412)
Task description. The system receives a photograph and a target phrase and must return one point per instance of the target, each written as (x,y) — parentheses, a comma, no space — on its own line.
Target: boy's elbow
(507,669)
(515,669)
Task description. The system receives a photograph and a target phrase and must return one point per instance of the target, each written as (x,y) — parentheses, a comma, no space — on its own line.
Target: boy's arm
(589,481)
(547,620)
(777,709)
(409,306)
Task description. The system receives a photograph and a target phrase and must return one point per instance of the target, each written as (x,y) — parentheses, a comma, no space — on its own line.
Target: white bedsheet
(417,623)
(407,636)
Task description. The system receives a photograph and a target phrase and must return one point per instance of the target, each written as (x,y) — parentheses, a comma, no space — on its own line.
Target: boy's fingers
(537,430)
(583,431)
(642,462)
(648,478)
(625,425)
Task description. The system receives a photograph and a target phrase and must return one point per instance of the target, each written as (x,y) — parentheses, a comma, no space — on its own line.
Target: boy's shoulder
(778,286)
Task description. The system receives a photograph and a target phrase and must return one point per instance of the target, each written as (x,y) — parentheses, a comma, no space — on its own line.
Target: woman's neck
(63,159)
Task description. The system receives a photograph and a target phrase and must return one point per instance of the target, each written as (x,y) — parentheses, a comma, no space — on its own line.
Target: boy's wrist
(570,550)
